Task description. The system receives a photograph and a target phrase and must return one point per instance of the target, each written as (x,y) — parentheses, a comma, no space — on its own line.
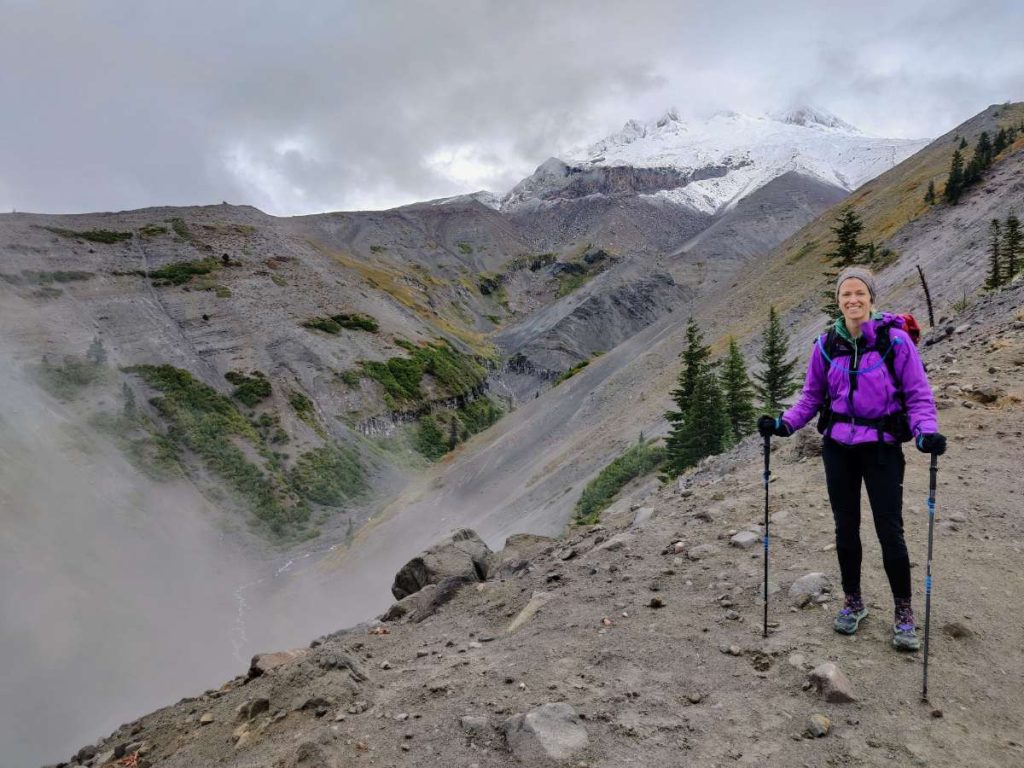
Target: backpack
(897,423)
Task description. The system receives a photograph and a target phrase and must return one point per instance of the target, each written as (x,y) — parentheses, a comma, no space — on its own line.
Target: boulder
(251,709)
(419,605)
(807,444)
(831,683)
(264,662)
(548,735)
(463,554)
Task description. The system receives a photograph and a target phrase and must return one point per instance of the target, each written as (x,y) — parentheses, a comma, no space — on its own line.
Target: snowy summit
(729,155)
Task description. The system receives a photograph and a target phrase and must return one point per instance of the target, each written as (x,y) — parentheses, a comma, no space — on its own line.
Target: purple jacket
(875,393)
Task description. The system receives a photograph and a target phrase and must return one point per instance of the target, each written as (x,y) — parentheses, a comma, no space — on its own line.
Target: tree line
(963,176)
(715,399)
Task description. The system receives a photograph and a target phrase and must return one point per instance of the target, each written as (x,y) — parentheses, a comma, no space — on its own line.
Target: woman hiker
(869,404)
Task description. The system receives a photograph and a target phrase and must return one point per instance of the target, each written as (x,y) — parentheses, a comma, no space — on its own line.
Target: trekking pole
(767,475)
(933,471)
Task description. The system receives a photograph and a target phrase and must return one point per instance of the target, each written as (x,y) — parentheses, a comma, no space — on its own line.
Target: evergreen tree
(1012,249)
(738,392)
(929,196)
(983,150)
(963,143)
(955,180)
(1002,141)
(847,229)
(695,359)
(706,425)
(776,381)
(96,354)
(995,272)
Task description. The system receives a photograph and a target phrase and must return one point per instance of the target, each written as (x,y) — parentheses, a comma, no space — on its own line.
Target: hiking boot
(852,614)
(904,629)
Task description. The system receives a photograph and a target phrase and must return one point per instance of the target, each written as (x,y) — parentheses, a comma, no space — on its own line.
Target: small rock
(206,719)
(566,553)
(679,547)
(745,539)
(695,698)
(818,726)
(832,683)
(385,665)
(796,660)
(936,713)
(731,615)
(801,601)
(474,725)
(701,551)
(812,584)
(251,709)
(735,650)
(656,602)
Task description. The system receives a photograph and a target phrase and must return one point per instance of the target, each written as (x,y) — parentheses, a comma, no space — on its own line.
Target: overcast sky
(330,105)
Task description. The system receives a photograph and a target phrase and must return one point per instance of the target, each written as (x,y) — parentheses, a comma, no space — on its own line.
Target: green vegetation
(304,409)
(152,230)
(208,424)
(489,283)
(430,440)
(1006,252)
(776,380)
(570,372)
(350,377)
(738,392)
(465,248)
(67,379)
(438,433)
(378,248)
(149,451)
(47,292)
(33,277)
(249,389)
(107,236)
(182,272)
(849,251)
(639,460)
(181,229)
(352,321)
(278,280)
(455,373)
(269,427)
(329,475)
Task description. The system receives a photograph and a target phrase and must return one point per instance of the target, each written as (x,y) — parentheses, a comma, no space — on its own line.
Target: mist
(118,594)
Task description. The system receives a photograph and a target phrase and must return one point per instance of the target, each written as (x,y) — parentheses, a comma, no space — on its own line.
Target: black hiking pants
(881,470)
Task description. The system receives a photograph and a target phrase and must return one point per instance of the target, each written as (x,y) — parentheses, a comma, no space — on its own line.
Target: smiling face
(854,300)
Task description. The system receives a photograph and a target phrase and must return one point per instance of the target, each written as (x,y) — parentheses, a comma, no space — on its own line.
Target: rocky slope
(640,641)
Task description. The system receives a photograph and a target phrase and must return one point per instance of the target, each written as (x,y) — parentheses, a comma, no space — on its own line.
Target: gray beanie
(864,275)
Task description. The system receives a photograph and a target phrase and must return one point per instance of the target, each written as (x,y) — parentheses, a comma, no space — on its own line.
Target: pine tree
(983,150)
(963,144)
(1013,248)
(738,392)
(695,359)
(1002,141)
(848,250)
(96,354)
(776,381)
(955,180)
(929,196)
(706,426)
(995,273)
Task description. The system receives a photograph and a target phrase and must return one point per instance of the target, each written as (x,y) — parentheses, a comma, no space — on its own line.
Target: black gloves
(769,425)
(933,442)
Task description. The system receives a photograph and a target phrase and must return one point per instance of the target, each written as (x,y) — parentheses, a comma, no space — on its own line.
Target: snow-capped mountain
(710,165)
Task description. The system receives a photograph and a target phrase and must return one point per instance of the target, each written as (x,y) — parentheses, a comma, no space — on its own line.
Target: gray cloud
(355,105)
